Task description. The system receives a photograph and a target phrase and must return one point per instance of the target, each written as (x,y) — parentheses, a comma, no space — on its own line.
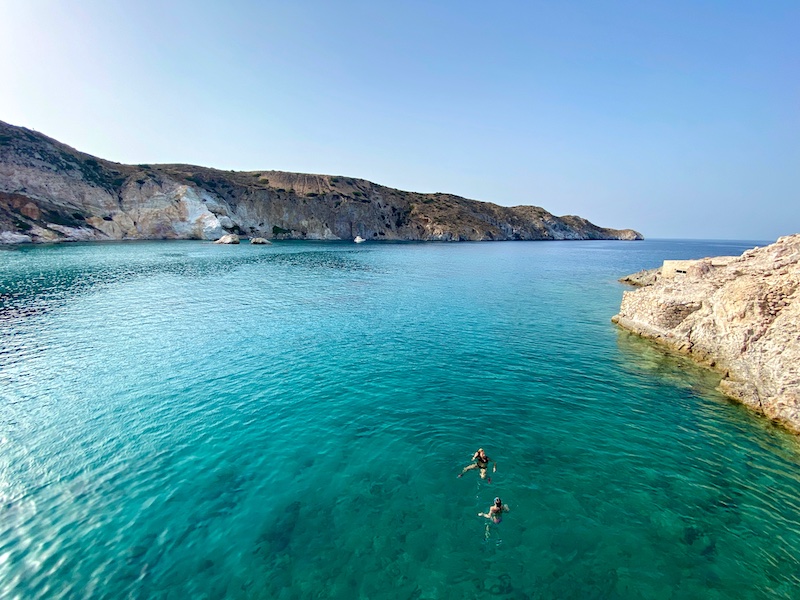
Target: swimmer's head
(498,501)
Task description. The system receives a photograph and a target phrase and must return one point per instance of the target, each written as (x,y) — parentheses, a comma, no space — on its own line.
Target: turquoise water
(186,420)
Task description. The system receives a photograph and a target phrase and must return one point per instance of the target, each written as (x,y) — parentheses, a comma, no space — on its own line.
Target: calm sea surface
(187,420)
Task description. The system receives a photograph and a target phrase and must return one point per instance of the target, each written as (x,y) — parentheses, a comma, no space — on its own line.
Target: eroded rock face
(51,192)
(642,278)
(740,316)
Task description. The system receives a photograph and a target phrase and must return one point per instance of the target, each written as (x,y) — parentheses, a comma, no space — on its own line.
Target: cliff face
(739,315)
(51,192)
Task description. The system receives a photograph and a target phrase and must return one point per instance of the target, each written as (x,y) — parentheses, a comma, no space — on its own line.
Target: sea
(188,420)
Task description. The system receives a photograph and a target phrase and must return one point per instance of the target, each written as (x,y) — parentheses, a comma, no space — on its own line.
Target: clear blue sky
(679,118)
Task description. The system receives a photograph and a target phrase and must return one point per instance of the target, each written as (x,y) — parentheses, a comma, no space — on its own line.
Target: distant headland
(50,192)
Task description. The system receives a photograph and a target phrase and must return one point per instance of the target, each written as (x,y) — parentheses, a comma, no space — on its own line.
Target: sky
(679,119)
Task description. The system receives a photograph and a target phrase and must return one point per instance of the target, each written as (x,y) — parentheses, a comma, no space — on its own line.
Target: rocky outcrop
(739,315)
(260,241)
(51,192)
(228,238)
(642,278)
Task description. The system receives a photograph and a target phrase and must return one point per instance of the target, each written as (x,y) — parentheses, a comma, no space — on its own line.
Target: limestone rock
(51,192)
(229,238)
(739,315)
(259,240)
(9,237)
(641,278)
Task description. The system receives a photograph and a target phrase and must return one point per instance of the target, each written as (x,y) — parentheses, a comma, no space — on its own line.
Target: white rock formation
(230,238)
(8,237)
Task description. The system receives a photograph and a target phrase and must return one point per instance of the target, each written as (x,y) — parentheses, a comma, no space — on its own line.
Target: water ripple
(183,419)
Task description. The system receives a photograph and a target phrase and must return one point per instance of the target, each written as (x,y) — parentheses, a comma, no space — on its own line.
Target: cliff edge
(739,315)
(51,192)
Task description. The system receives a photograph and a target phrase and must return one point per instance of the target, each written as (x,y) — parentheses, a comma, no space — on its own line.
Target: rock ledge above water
(739,315)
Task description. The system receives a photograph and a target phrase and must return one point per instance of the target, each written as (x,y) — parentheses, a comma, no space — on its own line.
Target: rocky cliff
(739,315)
(51,192)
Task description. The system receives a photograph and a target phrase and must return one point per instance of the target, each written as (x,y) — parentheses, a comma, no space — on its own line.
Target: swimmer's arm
(494,468)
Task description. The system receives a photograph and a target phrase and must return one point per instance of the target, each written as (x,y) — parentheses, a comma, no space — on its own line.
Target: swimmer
(495,512)
(481,462)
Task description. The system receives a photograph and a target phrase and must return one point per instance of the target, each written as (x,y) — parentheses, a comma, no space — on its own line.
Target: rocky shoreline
(739,315)
(50,192)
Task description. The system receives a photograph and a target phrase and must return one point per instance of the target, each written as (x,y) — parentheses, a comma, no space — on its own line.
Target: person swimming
(496,511)
(481,462)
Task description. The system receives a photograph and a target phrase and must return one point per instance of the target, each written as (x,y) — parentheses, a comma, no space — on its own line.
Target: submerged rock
(739,315)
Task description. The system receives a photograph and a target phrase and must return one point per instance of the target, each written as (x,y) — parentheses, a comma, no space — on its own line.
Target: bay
(181,419)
